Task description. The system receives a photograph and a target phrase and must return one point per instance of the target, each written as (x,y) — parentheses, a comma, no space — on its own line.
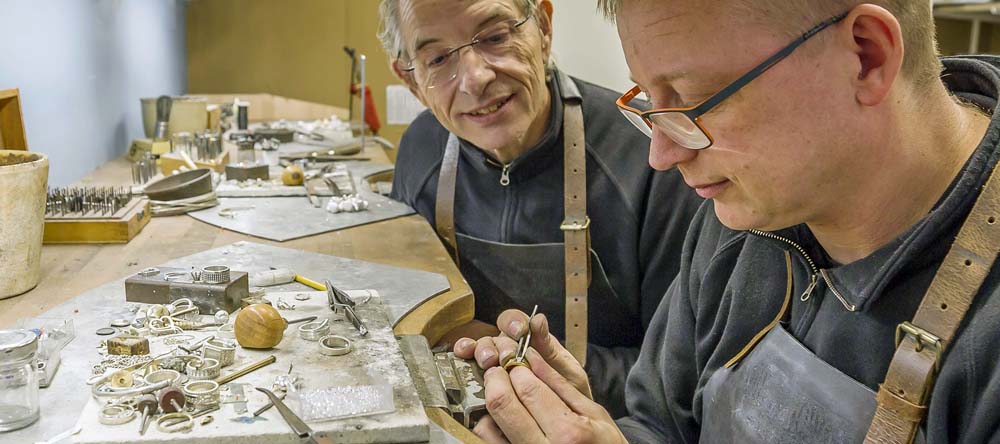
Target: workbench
(408,242)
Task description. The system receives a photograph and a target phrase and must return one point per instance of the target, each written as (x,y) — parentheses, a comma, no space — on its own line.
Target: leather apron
(783,393)
(564,280)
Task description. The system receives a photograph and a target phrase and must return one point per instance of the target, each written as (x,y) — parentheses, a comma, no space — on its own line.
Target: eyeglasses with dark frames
(683,125)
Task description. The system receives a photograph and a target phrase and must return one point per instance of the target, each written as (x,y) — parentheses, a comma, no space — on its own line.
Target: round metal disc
(171,394)
(121,323)
(105,331)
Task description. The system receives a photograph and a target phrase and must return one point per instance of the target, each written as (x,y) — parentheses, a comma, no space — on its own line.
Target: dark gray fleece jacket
(639,218)
(732,284)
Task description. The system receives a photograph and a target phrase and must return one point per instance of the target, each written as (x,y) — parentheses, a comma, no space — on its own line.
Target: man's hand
(541,406)
(492,351)
(473,329)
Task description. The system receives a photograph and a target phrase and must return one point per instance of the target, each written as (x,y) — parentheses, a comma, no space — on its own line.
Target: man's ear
(877,44)
(407,78)
(545,24)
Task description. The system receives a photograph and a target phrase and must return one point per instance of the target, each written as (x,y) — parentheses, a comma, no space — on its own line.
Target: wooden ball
(259,326)
(293,175)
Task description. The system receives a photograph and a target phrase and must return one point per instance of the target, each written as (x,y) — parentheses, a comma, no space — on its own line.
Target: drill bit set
(79,202)
(94,215)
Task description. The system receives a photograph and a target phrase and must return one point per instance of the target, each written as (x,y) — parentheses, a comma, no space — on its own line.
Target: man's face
(782,149)
(502,105)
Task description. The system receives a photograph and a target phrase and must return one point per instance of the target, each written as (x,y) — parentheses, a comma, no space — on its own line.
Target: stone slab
(286,218)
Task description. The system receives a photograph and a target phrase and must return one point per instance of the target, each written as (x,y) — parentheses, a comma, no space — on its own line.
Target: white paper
(402,105)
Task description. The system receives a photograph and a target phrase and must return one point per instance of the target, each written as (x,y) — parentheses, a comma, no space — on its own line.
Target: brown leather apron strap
(444,205)
(920,344)
(576,230)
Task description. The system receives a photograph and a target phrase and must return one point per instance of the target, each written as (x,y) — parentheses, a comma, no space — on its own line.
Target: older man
(515,155)
(840,285)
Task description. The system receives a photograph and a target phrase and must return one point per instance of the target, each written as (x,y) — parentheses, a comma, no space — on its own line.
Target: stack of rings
(315,330)
(185,423)
(115,414)
(334,345)
(202,393)
(220,350)
(203,369)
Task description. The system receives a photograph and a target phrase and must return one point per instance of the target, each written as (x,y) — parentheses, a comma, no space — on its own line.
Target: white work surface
(377,353)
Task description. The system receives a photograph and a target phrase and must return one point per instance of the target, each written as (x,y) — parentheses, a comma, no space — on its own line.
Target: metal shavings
(118,362)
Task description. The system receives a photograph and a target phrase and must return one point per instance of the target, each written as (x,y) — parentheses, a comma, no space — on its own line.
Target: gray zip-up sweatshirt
(732,284)
(638,219)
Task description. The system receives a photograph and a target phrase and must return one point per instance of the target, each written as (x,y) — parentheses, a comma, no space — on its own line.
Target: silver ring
(185,423)
(220,350)
(334,345)
(226,331)
(215,274)
(202,393)
(172,376)
(315,330)
(115,414)
(202,369)
(175,275)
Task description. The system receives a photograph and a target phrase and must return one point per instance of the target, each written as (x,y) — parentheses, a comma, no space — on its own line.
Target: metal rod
(363,84)
(245,370)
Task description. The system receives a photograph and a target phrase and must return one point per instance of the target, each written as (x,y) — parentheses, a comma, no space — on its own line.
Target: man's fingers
(486,353)
(506,348)
(550,412)
(488,430)
(576,398)
(556,355)
(513,323)
(465,348)
(507,411)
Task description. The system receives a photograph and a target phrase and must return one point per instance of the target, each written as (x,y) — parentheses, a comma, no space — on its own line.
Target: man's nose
(664,153)
(474,74)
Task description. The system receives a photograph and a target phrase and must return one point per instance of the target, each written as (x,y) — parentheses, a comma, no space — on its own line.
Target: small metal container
(18,379)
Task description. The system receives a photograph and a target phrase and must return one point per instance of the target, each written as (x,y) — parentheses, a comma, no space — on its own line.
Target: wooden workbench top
(68,270)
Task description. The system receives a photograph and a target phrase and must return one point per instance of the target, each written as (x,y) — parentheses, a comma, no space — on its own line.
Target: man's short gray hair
(390,35)
(610,8)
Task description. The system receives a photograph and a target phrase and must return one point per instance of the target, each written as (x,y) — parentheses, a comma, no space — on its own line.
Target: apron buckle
(575,225)
(922,337)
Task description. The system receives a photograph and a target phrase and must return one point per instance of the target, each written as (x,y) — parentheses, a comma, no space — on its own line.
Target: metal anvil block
(169,284)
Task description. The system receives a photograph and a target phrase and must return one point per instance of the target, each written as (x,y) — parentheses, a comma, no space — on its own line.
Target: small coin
(105,331)
(121,323)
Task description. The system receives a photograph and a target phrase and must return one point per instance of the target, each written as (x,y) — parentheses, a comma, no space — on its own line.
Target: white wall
(587,46)
(81,66)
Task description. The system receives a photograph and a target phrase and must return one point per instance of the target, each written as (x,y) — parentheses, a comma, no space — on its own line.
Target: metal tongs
(519,359)
(341,301)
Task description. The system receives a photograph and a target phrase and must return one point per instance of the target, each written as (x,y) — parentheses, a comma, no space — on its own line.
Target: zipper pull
(505,175)
(813,280)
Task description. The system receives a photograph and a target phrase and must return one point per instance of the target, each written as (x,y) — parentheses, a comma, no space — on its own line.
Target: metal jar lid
(17,345)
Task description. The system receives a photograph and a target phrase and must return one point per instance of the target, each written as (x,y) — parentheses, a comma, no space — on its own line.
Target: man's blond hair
(920,63)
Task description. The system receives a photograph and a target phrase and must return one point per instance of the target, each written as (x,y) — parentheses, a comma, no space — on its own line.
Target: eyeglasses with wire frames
(683,125)
(436,66)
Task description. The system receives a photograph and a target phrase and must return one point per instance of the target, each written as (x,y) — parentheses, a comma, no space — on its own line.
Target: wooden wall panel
(12,136)
(291,48)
